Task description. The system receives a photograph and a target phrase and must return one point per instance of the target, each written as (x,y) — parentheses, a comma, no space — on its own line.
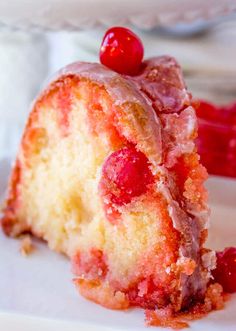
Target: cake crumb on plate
(26,245)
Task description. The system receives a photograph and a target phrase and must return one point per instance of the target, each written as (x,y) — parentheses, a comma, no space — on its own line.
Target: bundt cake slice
(107,173)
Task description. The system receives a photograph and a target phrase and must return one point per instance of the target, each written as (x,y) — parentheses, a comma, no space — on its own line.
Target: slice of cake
(108,174)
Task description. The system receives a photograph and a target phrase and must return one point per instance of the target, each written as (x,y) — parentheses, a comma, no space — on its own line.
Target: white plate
(36,293)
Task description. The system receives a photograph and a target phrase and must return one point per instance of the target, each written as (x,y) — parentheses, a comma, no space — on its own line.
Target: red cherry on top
(225,272)
(122,51)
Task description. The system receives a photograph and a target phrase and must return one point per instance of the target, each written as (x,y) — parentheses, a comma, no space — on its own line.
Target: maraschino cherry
(225,272)
(125,175)
(122,51)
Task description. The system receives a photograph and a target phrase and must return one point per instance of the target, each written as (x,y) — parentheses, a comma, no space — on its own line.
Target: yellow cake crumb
(26,246)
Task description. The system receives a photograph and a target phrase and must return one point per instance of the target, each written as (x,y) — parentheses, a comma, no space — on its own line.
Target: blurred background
(39,37)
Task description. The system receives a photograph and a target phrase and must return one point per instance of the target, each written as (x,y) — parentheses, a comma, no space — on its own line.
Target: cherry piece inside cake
(108,174)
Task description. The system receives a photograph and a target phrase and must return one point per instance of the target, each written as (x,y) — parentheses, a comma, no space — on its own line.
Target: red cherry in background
(207,110)
(122,51)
